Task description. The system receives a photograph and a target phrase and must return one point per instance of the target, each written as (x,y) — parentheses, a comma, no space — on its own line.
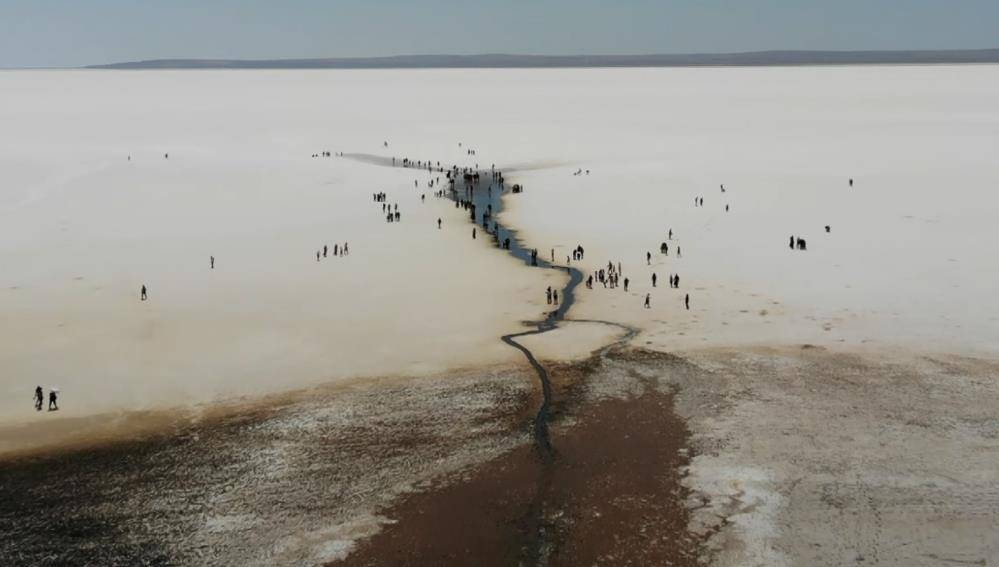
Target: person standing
(654,278)
(555,297)
(438,224)
(211,262)
(142,293)
(39,398)
(626,284)
(686,301)
(647,301)
(53,394)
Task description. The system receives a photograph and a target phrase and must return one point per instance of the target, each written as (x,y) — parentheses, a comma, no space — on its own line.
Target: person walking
(142,293)
(648,300)
(211,262)
(39,398)
(53,394)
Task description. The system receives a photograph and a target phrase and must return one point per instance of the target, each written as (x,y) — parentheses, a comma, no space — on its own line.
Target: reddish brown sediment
(612,494)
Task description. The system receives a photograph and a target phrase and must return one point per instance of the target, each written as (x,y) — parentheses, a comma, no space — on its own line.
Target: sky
(66,33)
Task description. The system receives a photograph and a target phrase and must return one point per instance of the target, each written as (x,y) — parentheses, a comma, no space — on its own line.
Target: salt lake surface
(909,262)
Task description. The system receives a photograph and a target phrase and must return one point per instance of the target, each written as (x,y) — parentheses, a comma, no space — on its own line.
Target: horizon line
(770,57)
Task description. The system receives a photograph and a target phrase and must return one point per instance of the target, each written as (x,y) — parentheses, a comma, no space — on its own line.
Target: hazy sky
(80,32)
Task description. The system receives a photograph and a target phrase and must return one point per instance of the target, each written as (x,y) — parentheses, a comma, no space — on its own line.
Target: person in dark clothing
(647,301)
(211,262)
(53,406)
(555,297)
(686,301)
(626,284)
(142,293)
(39,398)
(648,258)
(654,278)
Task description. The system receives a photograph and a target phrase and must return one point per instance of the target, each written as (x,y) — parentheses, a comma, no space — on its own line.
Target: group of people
(338,250)
(391,211)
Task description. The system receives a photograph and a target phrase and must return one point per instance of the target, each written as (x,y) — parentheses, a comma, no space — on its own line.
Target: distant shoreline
(506,61)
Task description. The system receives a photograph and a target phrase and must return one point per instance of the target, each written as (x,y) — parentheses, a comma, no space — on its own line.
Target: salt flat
(909,260)
(884,331)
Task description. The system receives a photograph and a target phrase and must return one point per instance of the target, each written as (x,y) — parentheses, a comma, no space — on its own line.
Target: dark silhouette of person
(678,254)
(670,237)
(654,278)
(686,301)
(53,406)
(324,250)
(555,296)
(791,242)
(726,208)
(648,258)
(676,281)
(39,398)
(548,295)
(211,261)
(647,301)
(473,233)
(828,228)
(438,224)
(851,182)
(626,284)
(142,293)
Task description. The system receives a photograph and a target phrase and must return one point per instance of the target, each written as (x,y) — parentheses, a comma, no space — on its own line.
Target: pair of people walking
(40,398)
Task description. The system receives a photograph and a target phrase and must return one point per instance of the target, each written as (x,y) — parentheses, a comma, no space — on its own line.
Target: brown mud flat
(612,494)
(287,483)
(438,470)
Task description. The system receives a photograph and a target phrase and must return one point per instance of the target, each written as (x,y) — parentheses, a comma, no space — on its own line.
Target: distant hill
(747,59)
